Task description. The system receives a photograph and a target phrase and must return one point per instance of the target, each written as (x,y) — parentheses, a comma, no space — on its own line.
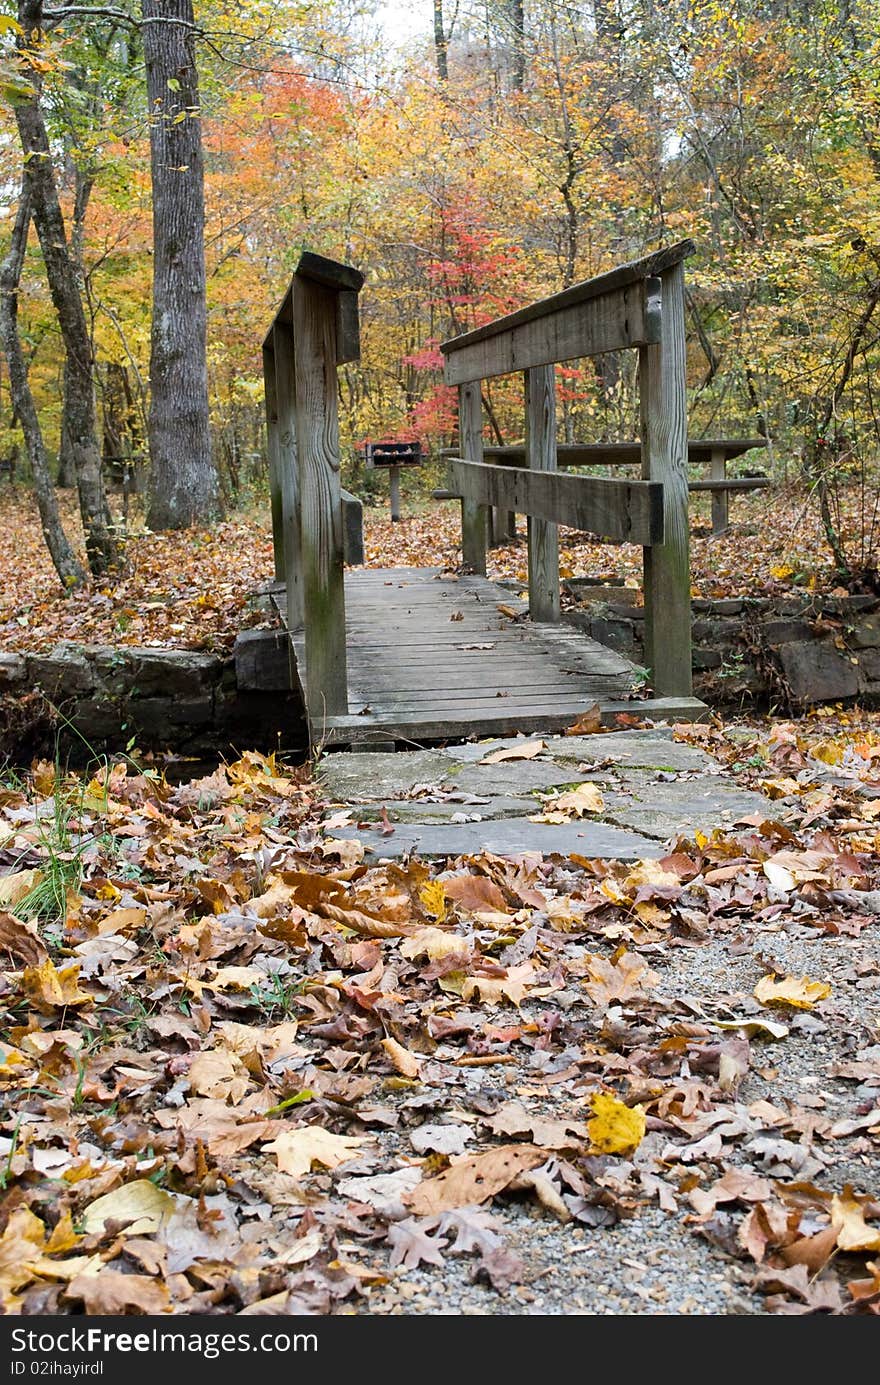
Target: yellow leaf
(800,994)
(236,979)
(614,1127)
(586,798)
(829,752)
(495,990)
(848,1219)
(140,1203)
(782,571)
(297,1150)
(21,1247)
(406,1063)
(433,943)
(50,989)
(433,898)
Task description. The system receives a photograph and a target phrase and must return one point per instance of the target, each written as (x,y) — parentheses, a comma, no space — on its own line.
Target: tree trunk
(63,556)
(66,449)
(79,402)
(183,482)
(441,45)
(518,26)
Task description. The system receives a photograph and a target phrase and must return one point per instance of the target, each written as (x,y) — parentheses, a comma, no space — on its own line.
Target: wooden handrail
(624,511)
(648,267)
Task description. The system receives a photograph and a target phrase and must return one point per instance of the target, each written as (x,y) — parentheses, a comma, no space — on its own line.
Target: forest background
(468,159)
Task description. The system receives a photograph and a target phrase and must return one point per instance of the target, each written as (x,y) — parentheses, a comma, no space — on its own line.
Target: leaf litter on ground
(244,1073)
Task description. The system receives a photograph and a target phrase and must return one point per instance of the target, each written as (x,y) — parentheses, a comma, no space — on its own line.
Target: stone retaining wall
(182,700)
(791,652)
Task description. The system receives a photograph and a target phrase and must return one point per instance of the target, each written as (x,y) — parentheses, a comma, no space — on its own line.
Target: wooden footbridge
(407,655)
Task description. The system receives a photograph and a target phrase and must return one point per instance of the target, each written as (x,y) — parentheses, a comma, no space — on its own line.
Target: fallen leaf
(474,893)
(50,989)
(620,979)
(297,1150)
(433,943)
(21,1246)
(848,1219)
(475,1179)
(587,723)
(110,1292)
(406,1063)
(20,940)
(384,1192)
(411,1245)
(524,750)
(614,1127)
(433,898)
(495,990)
(800,993)
(501,1267)
(217,1072)
(440,1139)
(13,888)
(755,1028)
(140,1204)
(563,807)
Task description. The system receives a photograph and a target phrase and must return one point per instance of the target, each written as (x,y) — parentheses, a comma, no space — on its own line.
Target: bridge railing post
(273,449)
(315,329)
(666,566)
(543,534)
(474,517)
(321,528)
(288,468)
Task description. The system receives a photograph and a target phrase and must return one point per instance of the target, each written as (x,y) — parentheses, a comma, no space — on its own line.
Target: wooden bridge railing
(316,525)
(639,305)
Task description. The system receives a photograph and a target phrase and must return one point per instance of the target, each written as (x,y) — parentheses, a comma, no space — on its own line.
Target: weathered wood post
(720,498)
(324,334)
(662,387)
(543,534)
(285,399)
(273,452)
(474,526)
(394,493)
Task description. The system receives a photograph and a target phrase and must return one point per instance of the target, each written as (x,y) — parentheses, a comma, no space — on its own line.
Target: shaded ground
(256,1059)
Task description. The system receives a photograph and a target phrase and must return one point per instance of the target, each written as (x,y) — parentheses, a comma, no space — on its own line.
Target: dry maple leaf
(574,803)
(14,887)
(297,1150)
(623,977)
(515,986)
(216,1072)
(434,943)
(800,993)
(848,1220)
(49,988)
